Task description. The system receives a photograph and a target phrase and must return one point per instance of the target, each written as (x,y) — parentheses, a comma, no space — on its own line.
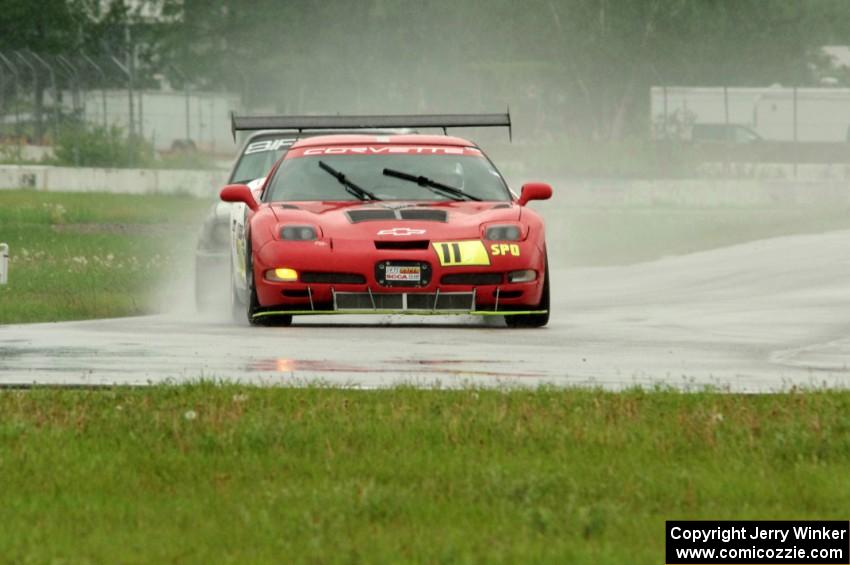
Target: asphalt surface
(762,316)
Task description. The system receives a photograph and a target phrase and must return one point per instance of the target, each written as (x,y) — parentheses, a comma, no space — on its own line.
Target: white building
(161,117)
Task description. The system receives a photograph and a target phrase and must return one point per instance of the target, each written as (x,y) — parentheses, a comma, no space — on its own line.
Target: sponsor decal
(384,150)
(401,232)
(461,253)
(504,249)
(269,145)
(406,273)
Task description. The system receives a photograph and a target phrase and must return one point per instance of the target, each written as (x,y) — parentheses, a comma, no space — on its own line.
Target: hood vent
(413,214)
(423,214)
(372,215)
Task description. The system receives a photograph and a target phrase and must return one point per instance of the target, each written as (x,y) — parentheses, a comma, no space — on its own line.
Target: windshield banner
(383,150)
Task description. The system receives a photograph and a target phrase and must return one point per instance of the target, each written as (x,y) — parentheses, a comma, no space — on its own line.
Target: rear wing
(301,123)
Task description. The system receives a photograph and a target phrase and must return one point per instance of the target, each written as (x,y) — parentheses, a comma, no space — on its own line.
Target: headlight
(526,275)
(503,233)
(298,233)
(282,274)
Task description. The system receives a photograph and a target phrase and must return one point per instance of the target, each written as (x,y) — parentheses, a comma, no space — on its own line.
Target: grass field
(77,256)
(209,473)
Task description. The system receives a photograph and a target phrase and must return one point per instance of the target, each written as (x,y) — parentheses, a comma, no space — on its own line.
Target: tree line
(578,68)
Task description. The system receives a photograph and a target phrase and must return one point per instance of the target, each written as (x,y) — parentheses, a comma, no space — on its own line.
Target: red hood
(347,220)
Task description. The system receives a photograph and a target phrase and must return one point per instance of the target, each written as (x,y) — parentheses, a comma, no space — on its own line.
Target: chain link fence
(775,131)
(42,95)
(41,92)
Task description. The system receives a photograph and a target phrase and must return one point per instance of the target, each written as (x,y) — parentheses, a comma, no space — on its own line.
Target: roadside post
(4,263)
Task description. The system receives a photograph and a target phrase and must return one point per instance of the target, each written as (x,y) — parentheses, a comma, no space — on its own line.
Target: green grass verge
(209,473)
(76,256)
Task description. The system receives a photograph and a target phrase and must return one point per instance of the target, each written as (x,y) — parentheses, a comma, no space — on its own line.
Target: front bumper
(498,296)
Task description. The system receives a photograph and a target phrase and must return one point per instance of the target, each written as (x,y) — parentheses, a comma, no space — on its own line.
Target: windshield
(259,157)
(303,178)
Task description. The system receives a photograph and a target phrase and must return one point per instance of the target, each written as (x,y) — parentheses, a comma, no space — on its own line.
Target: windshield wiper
(438,187)
(350,187)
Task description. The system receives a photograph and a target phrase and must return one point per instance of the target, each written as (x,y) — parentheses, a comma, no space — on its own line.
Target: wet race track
(760,316)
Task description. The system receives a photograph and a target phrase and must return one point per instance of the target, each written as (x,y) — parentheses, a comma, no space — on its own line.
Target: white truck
(821,114)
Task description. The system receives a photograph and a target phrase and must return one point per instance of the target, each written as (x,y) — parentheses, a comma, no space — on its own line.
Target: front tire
(534,320)
(254,306)
(237,306)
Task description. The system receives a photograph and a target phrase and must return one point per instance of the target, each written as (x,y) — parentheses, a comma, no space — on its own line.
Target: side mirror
(534,191)
(239,193)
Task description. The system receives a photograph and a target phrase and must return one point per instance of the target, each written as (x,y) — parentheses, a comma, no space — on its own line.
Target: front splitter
(398,312)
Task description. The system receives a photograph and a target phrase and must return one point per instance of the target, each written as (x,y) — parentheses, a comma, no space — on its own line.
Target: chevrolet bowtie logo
(401,231)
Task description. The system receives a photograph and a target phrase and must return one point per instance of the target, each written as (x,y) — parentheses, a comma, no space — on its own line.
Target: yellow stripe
(461,253)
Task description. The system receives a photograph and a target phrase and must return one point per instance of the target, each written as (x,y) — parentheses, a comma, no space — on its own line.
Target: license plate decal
(403,273)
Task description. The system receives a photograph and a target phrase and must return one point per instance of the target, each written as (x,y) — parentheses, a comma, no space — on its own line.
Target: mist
(606,100)
(576,77)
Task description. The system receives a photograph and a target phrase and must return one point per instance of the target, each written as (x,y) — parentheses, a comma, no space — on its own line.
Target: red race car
(387,224)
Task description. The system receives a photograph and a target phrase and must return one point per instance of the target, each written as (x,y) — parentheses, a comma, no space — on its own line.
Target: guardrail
(4,263)
(202,183)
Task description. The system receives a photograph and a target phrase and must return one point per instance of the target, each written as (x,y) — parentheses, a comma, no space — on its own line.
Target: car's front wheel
(237,305)
(256,316)
(534,320)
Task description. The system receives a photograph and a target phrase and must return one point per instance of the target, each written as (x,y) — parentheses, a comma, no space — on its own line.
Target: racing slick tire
(237,307)
(254,307)
(534,320)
